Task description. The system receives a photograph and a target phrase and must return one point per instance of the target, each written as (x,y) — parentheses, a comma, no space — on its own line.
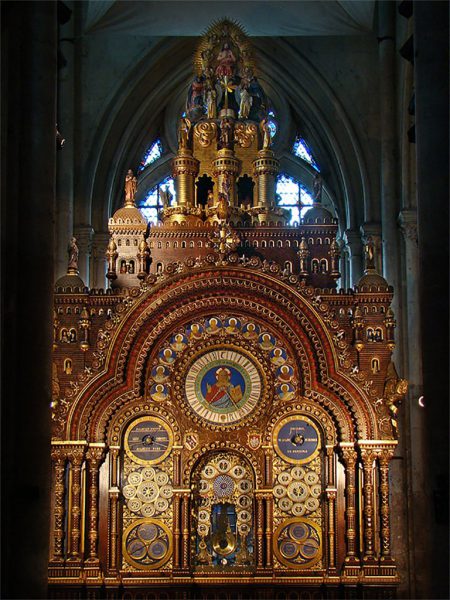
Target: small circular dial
(148,440)
(296,440)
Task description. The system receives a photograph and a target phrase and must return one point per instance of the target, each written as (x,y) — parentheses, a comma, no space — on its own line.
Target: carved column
(176,530)
(268,463)
(368,457)
(94,458)
(177,465)
(259,529)
(185,529)
(59,464)
(269,529)
(349,457)
(113,534)
(384,459)
(331,492)
(75,456)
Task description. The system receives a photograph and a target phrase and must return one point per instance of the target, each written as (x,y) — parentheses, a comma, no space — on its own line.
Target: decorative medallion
(147,544)
(298,543)
(254,439)
(148,440)
(296,439)
(223,386)
(190,440)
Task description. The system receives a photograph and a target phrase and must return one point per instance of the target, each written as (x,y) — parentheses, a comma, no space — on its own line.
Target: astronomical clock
(223,417)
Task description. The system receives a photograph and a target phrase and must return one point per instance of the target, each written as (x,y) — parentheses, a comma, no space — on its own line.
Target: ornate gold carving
(394,391)
(94,457)
(59,462)
(75,456)
(245,134)
(205,132)
(350,458)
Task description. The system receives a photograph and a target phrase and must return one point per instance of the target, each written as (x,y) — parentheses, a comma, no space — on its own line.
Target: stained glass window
(152,203)
(292,195)
(302,150)
(272,124)
(152,153)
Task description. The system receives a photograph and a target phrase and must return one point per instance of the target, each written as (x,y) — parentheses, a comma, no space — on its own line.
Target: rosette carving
(244,134)
(205,132)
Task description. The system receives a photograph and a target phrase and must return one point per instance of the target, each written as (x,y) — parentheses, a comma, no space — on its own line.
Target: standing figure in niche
(226,133)
(225,62)
(245,103)
(73,252)
(211,106)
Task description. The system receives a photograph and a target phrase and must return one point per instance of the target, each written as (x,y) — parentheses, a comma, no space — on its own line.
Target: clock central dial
(223,386)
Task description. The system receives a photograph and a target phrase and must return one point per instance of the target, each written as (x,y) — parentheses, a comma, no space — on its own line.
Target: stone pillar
(389,161)
(432,116)
(355,248)
(84,235)
(65,155)
(28,147)
(99,247)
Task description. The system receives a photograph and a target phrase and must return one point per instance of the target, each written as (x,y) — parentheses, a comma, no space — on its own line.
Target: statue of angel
(73,253)
(165,196)
(317,188)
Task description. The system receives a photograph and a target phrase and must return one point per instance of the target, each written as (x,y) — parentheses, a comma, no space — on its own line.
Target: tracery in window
(292,195)
(302,150)
(153,201)
(152,153)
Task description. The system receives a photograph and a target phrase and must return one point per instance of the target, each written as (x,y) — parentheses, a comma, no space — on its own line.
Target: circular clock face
(148,440)
(296,439)
(298,543)
(223,386)
(147,544)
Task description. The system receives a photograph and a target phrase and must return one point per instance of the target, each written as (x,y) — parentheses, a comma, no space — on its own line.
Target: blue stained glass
(272,124)
(301,149)
(153,153)
(288,191)
(150,205)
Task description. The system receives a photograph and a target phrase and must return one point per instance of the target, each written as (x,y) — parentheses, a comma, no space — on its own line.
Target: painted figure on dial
(223,393)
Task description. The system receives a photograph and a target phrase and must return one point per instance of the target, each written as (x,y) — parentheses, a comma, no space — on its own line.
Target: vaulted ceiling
(261,18)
